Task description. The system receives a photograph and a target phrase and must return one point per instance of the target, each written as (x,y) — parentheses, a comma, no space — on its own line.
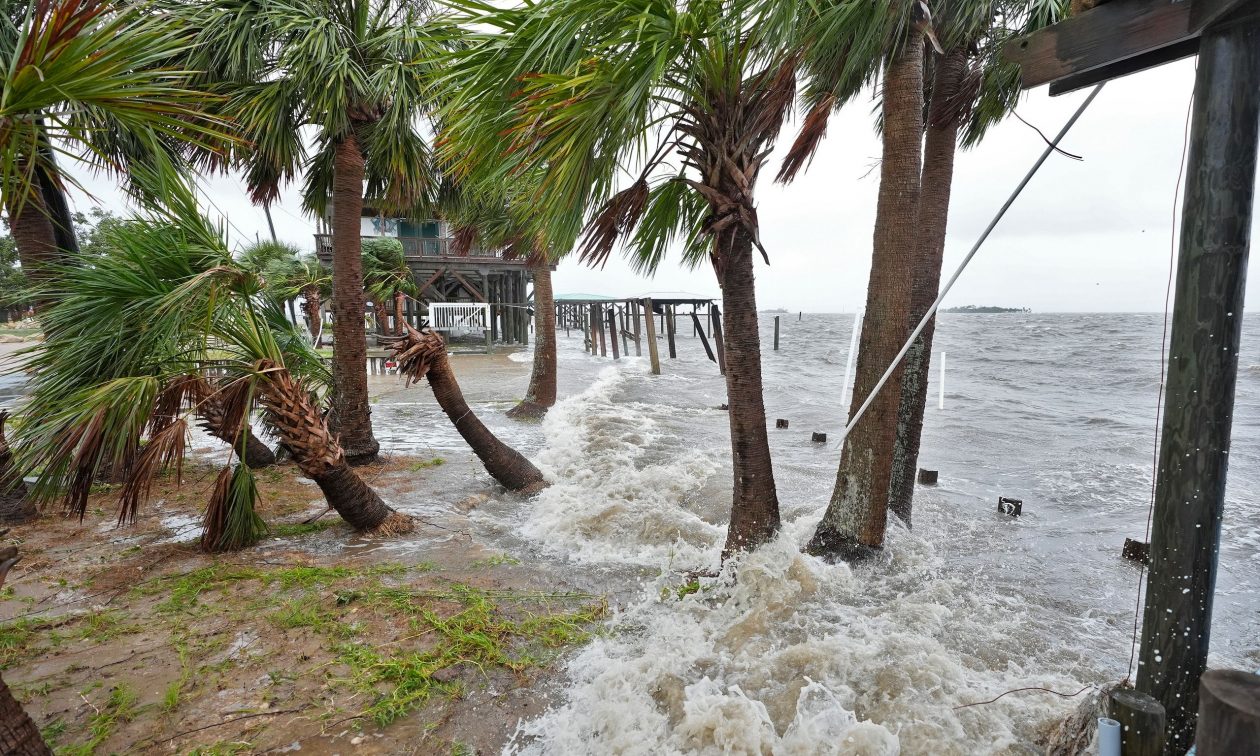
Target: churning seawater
(801,657)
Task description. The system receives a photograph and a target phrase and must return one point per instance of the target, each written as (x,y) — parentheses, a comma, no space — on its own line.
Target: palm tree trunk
(938,178)
(214,420)
(423,354)
(34,236)
(15,506)
(853,525)
(351,415)
(400,306)
(541,394)
(18,734)
(303,430)
(311,304)
(755,501)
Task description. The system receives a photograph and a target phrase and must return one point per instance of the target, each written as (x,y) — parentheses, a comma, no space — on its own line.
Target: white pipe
(1108,737)
(940,403)
(848,365)
(1054,145)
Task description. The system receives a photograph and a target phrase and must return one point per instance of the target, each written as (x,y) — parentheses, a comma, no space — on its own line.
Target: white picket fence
(459,318)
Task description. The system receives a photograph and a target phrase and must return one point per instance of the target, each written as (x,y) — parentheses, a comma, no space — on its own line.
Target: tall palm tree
(387,277)
(128,340)
(357,72)
(94,81)
(972,89)
(576,89)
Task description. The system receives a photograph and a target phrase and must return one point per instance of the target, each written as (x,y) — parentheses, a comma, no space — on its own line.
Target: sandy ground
(131,640)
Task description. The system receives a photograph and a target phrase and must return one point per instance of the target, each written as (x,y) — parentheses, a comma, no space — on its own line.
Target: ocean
(801,657)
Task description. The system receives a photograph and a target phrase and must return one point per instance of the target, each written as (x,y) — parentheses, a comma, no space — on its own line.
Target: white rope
(1050,148)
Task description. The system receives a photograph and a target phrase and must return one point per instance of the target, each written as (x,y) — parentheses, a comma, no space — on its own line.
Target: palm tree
(128,340)
(356,71)
(422,354)
(575,89)
(387,277)
(93,81)
(972,89)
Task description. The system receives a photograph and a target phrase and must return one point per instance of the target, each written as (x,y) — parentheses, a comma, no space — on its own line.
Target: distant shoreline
(985,310)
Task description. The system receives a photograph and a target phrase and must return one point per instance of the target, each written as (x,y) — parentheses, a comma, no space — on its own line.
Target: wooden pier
(607,323)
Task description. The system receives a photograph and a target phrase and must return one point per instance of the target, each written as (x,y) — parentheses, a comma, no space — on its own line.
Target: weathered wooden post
(625,332)
(612,327)
(1229,713)
(638,348)
(1202,368)
(653,354)
(717,338)
(669,331)
(704,340)
(599,324)
(590,329)
(776,333)
(1141,721)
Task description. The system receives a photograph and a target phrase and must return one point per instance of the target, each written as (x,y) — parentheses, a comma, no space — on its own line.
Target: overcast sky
(1084,236)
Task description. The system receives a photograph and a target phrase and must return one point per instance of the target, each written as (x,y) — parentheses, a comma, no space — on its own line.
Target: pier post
(1229,713)
(704,340)
(638,348)
(1202,370)
(669,331)
(612,327)
(653,354)
(1141,721)
(776,333)
(718,341)
(625,332)
(599,324)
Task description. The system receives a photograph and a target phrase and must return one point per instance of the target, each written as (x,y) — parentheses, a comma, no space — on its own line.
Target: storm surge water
(785,654)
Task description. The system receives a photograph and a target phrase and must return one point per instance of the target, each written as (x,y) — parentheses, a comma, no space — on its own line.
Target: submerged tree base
(836,547)
(528,410)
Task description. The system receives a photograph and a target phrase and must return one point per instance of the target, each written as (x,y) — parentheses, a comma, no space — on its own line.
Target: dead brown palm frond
(180,392)
(231,522)
(957,105)
(464,239)
(415,351)
(772,96)
(618,217)
(164,451)
(802,151)
(234,399)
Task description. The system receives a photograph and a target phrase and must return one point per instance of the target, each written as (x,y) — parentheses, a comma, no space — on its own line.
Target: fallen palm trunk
(422,354)
(303,430)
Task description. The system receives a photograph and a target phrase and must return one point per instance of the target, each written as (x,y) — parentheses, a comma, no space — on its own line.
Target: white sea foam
(795,656)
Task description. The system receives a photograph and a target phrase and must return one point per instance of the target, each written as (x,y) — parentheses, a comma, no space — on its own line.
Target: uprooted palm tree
(93,81)
(422,354)
(689,94)
(358,72)
(128,344)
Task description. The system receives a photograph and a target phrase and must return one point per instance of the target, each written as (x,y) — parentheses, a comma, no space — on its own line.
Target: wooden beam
(471,289)
(1105,35)
(432,279)
(1137,63)
(1206,12)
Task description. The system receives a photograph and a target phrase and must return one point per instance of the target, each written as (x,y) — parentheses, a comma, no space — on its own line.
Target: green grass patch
(425,464)
(120,706)
(496,561)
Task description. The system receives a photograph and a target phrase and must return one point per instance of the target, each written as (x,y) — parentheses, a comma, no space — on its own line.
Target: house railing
(458,317)
(415,248)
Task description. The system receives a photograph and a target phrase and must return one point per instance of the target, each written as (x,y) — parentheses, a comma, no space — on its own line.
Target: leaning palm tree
(686,91)
(422,354)
(18,734)
(356,71)
(129,341)
(93,81)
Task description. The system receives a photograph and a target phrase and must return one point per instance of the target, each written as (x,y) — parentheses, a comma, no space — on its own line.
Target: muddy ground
(131,640)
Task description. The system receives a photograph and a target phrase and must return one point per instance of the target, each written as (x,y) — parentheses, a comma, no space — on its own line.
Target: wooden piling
(1202,372)
(612,327)
(1141,721)
(1229,713)
(695,320)
(717,338)
(599,325)
(489,342)
(653,354)
(776,333)
(590,329)
(625,333)
(669,331)
(638,348)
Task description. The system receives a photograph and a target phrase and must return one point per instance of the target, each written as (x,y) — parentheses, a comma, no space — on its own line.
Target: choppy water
(800,657)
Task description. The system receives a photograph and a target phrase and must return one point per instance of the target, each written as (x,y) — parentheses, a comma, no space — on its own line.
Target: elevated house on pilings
(481,277)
